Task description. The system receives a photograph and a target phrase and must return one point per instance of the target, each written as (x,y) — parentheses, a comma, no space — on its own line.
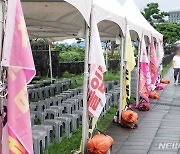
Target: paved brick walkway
(160,125)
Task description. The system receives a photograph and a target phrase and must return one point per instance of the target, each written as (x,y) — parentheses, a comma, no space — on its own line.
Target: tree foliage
(153,14)
(170,31)
(156,18)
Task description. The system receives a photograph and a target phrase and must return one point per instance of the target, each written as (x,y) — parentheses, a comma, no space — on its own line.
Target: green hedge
(69,53)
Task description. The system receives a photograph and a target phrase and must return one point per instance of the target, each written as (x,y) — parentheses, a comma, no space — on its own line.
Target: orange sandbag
(154,95)
(131,125)
(164,81)
(129,116)
(100,144)
(144,106)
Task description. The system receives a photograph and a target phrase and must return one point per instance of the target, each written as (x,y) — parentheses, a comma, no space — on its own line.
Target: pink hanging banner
(17,133)
(145,78)
(153,63)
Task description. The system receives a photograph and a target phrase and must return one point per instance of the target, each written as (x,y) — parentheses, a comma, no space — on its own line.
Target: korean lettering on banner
(96,95)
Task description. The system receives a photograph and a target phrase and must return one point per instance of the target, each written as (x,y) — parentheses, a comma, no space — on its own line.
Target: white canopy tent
(110,24)
(62,19)
(134,16)
(56,19)
(118,9)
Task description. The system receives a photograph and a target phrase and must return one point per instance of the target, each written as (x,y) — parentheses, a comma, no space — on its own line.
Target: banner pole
(138,73)
(50,63)
(2,8)
(85,124)
(121,77)
(106,50)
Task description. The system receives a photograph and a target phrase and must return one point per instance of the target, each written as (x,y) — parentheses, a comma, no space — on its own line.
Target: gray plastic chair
(67,83)
(49,102)
(32,119)
(111,84)
(67,125)
(33,106)
(74,91)
(58,88)
(40,94)
(52,90)
(39,117)
(68,108)
(80,99)
(106,87)
(57,129)
(51,113)
(67,95)
(30,94)
(41,105)
(40,142)
(60,98)
(47,92)
(80,115)
(114,96)
(47,128)
(63,96)
(60,108)
(75,120)
(74,104)
(35,95)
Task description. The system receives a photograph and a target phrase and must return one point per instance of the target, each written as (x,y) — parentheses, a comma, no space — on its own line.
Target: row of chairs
(46,91)
(43,83)
(58,116)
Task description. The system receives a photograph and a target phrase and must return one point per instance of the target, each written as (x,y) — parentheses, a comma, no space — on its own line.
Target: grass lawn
(68,146)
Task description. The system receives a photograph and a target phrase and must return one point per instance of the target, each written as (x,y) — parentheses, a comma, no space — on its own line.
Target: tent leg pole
(1,68)
(85,91)
(138,75)
(138,72)
(50,63)
(121,77)
(106,50)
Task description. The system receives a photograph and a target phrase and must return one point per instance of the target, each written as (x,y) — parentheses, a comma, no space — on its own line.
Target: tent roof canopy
(110,23)
(135,17)
(56,19)
(62,19)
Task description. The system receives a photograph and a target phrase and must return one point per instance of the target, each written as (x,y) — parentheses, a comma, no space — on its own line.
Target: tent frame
(138,72)
(85,124)
(122,50)
(2,84)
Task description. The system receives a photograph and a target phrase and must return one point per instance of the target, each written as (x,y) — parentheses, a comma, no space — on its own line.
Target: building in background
(174,16)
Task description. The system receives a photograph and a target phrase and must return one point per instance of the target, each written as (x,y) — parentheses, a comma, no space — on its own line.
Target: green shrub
(67,75)
(69,53)
(71,56)
(115,56)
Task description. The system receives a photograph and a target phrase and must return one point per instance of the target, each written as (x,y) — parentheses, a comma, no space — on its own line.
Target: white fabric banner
(96,95)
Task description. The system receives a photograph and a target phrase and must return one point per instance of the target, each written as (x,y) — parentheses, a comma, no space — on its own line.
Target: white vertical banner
(96,94)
